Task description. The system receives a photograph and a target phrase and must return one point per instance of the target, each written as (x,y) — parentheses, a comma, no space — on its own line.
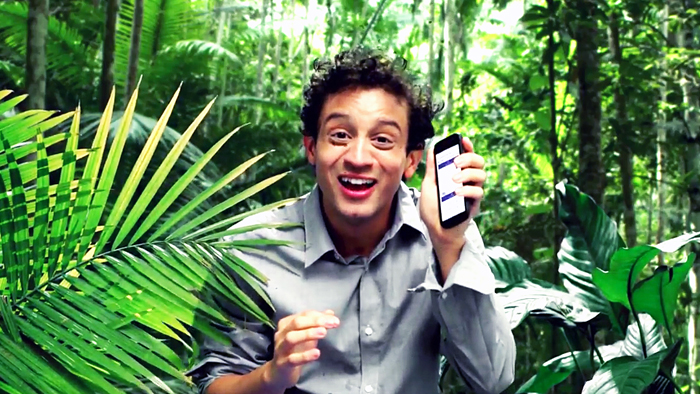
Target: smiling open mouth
(356,184)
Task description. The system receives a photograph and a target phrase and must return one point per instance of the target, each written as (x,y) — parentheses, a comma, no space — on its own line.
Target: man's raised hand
(296,344)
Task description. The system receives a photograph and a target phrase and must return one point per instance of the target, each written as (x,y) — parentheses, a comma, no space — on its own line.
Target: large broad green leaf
(652,341)
(559,368)
(624,375)
(574,265)
(620,281)
(533,295)
(507,267)
(554,371)
(78,316)
(658,294)
(590,242)
(562,315)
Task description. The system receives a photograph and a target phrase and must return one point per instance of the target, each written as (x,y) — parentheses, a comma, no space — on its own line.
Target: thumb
(429,168)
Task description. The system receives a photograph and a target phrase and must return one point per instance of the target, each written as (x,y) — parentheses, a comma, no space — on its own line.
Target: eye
(384,141)
(339,135)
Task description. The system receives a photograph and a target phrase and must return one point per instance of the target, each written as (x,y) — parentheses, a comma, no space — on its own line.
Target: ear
(310,147)
(412,160)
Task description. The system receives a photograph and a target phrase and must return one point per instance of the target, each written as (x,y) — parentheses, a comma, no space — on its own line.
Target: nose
(358,154)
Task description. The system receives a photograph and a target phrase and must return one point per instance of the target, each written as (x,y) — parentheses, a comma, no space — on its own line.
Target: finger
(467,143)
(307,319)
(470,176)
(301,358)
(312,312)
(473,192)
(469,160)
(317,319)
(290,318)
(295,338)
(430,167)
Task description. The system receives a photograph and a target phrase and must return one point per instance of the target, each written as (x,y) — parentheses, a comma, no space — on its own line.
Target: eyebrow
(334,115)
(382,122)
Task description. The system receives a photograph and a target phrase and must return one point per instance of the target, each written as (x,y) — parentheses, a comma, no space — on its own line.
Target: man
(377,288)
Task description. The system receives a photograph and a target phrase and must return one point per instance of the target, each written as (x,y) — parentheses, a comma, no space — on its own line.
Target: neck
(352,239)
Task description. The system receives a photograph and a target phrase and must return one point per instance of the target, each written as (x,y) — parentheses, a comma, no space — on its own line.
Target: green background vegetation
(601,94)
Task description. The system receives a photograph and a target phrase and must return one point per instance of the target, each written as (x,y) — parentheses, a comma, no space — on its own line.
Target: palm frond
(67,56)
(83,311)
(190,174)
(201,48)
(164,24)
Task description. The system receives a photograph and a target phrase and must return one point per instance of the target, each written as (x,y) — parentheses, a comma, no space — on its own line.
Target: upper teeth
(355,181)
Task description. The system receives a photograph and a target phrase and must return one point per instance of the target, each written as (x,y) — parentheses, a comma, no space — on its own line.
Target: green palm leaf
(82,310)
(164,24)
(68,59)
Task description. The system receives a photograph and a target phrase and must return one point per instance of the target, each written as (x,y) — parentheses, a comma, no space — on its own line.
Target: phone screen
(451,204)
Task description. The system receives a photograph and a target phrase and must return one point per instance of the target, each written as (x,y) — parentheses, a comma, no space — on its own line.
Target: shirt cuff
(471,270)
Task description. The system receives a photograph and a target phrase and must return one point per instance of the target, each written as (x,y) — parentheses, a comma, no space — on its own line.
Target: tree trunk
(650,216)
(262,46)
(449,61)
(278,53)
(621,126)
(108,46)
(134,49)
(290,49)
(661,155)
(691,163)
(553,139)
(37,30)
(305,47)
(431,44)
(555,339)
(363,15)
(330,26)
(221,34)
(591,179)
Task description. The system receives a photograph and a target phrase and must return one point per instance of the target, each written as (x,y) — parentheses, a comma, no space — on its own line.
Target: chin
(356,216)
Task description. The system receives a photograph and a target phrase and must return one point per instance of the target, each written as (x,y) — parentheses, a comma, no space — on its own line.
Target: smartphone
(453,209)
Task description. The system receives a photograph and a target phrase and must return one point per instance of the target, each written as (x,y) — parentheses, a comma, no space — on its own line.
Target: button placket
(370,313)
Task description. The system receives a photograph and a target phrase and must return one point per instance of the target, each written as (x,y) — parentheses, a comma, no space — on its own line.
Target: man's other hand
(448,243)
(296,344)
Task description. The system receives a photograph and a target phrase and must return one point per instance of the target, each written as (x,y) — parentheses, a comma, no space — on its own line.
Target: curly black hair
(363,67)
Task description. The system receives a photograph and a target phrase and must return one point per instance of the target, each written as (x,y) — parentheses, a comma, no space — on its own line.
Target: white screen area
(450,204)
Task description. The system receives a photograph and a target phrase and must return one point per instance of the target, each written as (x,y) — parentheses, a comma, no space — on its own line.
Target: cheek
(326,160)
(395,166)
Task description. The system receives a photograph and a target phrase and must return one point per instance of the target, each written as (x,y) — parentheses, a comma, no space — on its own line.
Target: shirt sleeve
(250,346)
(478,341)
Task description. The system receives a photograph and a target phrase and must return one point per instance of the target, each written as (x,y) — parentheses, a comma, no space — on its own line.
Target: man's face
(360,154)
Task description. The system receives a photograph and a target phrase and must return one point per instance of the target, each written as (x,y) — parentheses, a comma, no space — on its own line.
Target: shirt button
(368,332)
(368,389)
(444,295)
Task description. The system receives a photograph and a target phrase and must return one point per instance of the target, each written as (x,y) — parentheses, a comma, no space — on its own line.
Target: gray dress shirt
(395,317)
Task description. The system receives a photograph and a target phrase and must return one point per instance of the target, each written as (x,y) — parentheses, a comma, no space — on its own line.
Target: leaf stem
(663,307)
(591,339)
(634,311)
(571,350)
(63,273)
(600,357)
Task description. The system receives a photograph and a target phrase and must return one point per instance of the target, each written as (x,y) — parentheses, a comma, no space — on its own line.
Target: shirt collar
(318,241)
